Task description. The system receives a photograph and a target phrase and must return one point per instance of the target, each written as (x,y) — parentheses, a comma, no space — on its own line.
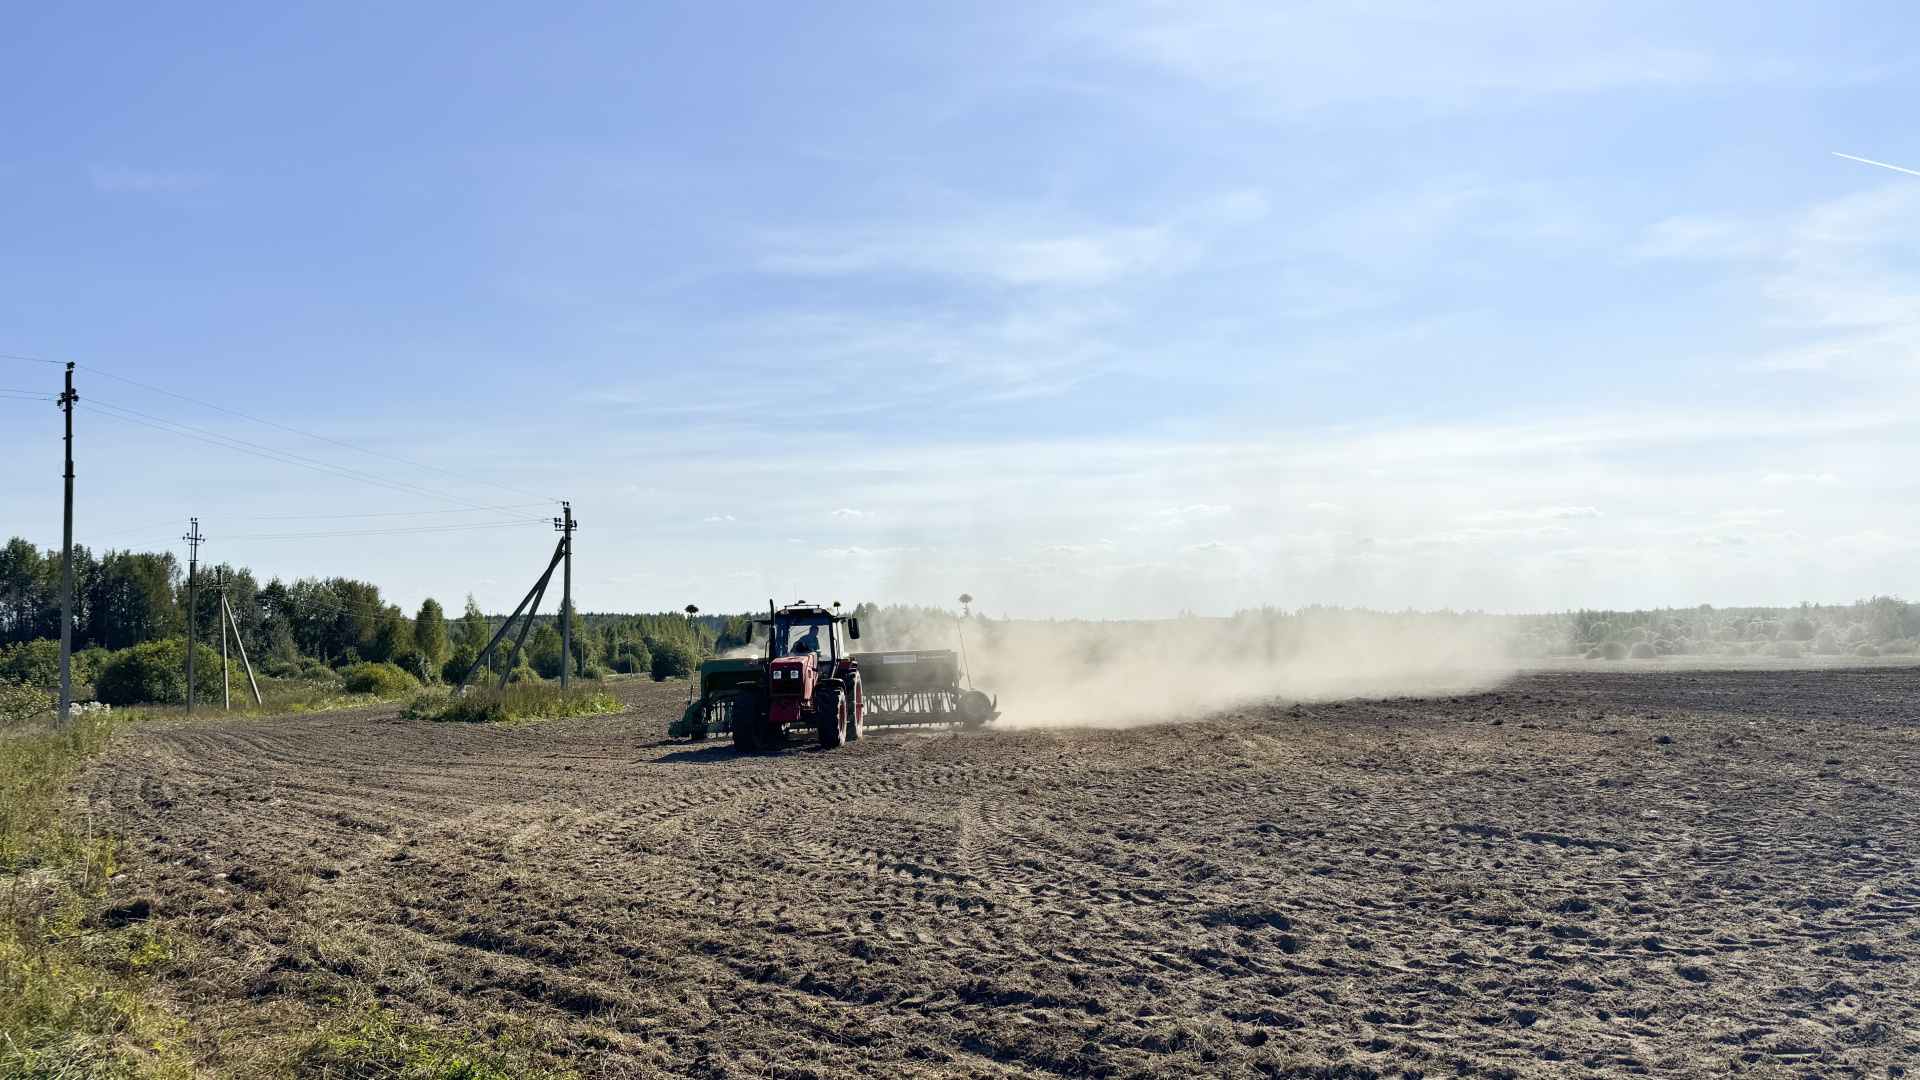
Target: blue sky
(1087,309)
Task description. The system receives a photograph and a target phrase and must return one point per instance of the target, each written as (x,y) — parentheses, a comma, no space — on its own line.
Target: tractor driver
(810,643)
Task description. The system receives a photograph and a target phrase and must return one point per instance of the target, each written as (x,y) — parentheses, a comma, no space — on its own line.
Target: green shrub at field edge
(155,672)
(380,680)
(20,702)
(519,701)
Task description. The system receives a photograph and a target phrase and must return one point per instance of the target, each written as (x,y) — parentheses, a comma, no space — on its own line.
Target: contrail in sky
(1882,164)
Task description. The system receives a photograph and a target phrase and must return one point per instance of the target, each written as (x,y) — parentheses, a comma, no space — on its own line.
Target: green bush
(19,702)
(1643,651)
(155,673)
(383,680)
(543,651)
(458,665)
(1612,650)
(674,660)
(414,663)
(632,658)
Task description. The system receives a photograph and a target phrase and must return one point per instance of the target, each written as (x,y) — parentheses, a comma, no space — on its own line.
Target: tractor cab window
(814,637)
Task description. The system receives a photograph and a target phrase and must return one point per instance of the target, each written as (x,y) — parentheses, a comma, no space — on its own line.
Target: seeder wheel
(976,709)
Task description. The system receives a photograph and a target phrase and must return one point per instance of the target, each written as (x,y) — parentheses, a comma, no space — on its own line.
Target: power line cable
(285,427)
(381,532)
(293,458)
(282,456)
(393,513)
(123,532)
(307,434)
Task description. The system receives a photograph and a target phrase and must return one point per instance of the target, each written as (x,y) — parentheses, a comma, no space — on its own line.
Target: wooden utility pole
(66,565)
(565,524)
(193,539)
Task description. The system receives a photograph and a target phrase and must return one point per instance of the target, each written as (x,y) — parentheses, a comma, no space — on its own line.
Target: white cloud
(1545,513)
(718,517)
(1801,478)
(1198,509)
(845,513)
(1077,549)
(1300,59)
(1483,536)
(1874,543)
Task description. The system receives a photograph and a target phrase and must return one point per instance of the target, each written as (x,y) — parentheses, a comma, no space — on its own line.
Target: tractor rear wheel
(830,708)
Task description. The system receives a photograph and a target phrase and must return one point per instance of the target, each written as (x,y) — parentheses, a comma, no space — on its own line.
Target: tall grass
(70,996)
(368,1043)
(278,698)
(519,701)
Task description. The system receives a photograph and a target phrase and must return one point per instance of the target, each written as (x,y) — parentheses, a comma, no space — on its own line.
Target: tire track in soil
(1519,883)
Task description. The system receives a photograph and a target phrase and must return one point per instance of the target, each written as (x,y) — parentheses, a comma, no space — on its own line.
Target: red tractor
(809,681)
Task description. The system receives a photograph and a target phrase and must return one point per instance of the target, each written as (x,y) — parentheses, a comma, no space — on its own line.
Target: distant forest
(131,607)
(130,622)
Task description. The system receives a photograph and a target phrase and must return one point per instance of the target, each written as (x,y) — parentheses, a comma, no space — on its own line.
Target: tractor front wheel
(830,708)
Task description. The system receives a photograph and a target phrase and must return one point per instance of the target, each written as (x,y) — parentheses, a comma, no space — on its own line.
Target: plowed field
(1582,874)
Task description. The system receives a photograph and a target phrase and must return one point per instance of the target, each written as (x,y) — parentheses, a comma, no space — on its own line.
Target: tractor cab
(808,632)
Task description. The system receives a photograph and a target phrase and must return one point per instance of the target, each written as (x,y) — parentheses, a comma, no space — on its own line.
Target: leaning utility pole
(66,565)
(193,539)
(220,586)
(565,525)
(226,610)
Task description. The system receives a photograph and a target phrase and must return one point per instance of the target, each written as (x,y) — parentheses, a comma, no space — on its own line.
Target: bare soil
(1676,873)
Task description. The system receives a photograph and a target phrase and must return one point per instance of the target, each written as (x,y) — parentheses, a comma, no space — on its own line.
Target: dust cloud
(1053,673)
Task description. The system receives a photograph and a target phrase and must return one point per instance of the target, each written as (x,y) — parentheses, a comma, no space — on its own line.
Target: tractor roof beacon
(808,678)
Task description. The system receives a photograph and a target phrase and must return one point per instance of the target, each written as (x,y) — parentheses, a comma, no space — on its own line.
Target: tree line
(131,609)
